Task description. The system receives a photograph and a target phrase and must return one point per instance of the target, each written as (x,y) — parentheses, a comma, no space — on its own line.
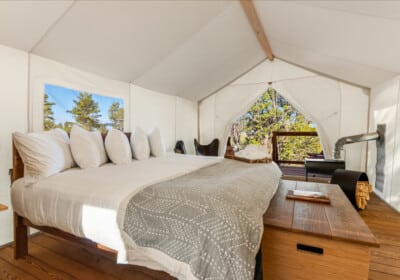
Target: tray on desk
(311,197)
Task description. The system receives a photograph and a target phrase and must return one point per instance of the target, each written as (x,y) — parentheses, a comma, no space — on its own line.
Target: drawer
(290,255)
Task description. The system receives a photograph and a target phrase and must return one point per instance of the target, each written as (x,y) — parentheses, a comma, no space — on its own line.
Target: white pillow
(157,147)
(140,144)
(62,137)
(44,153)
(87,147)
(117,147)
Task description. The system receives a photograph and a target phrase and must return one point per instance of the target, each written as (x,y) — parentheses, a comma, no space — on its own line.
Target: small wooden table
(3,207)
(308,240)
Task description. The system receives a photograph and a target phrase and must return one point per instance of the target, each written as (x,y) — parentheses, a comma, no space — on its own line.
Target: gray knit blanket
(210,219)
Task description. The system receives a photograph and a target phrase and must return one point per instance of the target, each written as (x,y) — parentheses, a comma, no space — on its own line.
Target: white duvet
(85,202)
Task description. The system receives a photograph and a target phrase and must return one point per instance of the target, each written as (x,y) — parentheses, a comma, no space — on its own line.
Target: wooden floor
(384,222)
(57,259)
(51,258)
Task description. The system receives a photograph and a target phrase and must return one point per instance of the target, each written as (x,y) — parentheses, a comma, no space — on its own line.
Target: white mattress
(85,202)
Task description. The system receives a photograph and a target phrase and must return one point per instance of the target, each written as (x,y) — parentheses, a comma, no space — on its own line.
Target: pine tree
(116,116)
(86,111)
(48,114)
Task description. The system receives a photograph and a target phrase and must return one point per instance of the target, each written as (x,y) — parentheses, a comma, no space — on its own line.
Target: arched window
(271,112)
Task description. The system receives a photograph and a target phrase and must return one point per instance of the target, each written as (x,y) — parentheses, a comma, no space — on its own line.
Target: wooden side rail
(21,225)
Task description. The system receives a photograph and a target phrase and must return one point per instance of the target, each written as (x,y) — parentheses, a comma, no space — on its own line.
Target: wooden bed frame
(21,225)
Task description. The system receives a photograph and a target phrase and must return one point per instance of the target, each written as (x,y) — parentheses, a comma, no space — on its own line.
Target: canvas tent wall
(22,80)
(338,109)
(385,109)
(171,54)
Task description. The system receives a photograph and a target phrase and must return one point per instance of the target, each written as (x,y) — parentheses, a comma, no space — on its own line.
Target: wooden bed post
(20,237)
(20,228)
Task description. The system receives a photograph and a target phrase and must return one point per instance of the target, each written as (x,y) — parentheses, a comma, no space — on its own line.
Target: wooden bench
(308,240)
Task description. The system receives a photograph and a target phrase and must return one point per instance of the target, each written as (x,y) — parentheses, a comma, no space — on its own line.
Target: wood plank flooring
(55,259)
(384,222)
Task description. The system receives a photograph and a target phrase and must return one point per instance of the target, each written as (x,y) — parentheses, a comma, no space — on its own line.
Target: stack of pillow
(47,153)
(44,154)
(141,146)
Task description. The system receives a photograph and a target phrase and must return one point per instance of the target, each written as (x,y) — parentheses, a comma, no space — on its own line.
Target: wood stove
(323,166)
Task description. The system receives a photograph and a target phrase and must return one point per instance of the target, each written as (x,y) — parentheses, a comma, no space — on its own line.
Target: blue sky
(64,97)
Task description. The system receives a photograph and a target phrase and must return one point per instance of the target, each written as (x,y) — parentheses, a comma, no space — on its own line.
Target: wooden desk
(306,240)
(3,207)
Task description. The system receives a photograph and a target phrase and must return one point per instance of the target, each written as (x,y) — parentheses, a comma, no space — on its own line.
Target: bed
(88,205)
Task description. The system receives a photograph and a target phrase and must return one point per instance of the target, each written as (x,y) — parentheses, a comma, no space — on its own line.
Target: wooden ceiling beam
(252,16)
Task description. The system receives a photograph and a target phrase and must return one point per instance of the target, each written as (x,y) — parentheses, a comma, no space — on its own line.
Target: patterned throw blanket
(210,219)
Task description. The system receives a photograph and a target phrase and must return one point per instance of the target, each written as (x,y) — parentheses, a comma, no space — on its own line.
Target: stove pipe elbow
(353,139)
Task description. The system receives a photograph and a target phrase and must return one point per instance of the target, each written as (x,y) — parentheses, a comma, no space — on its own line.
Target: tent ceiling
(384,9)
(24,23)
(191,48)
(224,49)
(347,45)
(122,40)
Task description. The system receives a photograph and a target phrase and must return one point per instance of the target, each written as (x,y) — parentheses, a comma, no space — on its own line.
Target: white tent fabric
(191,48)
(318,98)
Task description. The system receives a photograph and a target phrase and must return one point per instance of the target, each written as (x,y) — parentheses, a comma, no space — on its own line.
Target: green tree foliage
(86,111)
(67,126)
(116,116)
(48,114)
(272,112)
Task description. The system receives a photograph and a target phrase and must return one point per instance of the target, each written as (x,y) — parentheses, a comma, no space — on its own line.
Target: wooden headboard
(17,170)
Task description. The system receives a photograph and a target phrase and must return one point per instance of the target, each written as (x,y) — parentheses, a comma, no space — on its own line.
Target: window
(272,112)
(64,107)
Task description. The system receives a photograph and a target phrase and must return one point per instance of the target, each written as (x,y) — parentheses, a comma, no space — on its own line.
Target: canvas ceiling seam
(321,74)
(334,57)
(347,11)
(52,26)
(231,81)
(312,76)
(306,50)
(179,47)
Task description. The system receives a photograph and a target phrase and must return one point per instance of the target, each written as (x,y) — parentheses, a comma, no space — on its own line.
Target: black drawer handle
(310,249)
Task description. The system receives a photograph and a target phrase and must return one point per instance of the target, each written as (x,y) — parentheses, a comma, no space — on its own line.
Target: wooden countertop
(338,220)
